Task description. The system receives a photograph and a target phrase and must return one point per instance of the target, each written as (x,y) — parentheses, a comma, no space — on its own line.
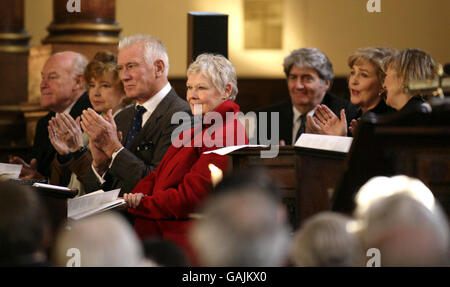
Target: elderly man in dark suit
(122,154)
(309,75)
(63,90)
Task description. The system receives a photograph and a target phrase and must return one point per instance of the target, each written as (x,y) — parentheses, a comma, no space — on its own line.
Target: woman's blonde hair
(104,62)
(411,64)
(373,55)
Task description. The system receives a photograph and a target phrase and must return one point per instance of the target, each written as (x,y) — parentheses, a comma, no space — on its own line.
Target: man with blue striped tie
(123,154)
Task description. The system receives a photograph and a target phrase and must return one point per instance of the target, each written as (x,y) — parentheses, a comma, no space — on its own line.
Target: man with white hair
(400,217)
(104,240)
(125,153)
(63,90)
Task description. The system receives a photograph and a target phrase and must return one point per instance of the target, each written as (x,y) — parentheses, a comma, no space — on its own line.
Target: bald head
(62,80)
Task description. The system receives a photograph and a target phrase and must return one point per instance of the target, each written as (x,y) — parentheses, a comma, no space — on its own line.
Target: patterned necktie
(136,125)
(302,127)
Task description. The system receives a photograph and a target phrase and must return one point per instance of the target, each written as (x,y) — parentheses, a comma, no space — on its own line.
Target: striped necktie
(136,125)
(302,127)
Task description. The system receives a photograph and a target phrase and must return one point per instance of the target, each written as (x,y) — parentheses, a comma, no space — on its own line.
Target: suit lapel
(286,123)
(80,105)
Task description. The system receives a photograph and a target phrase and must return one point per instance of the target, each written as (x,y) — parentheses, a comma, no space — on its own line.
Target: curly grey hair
(310,58)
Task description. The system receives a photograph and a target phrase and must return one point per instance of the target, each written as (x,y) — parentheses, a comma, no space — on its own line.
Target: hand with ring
(65,134)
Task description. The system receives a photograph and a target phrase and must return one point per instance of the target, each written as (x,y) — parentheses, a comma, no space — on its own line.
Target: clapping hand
(65,134)
(102,131)
(354,125)
(29,171)
(326,122)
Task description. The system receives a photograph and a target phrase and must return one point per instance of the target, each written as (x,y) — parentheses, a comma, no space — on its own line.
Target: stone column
(14,47)
(92,29)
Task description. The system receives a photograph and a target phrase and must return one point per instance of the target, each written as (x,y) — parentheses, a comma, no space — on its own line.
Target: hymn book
(325,142)
(93,203)
(8,170)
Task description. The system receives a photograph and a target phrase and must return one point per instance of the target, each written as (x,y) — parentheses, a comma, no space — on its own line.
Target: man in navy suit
(309,76)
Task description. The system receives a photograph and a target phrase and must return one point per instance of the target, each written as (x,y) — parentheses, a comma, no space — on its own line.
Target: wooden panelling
(257,93)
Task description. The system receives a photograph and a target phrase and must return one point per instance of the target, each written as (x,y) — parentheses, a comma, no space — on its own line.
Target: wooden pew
(413,144)
(306,177)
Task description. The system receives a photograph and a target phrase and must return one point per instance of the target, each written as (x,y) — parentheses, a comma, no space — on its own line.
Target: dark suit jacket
(146,151)
(286,115)
(42,149)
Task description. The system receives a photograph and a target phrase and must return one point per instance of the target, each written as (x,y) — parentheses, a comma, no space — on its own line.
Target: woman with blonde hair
(401,68)
(365,84)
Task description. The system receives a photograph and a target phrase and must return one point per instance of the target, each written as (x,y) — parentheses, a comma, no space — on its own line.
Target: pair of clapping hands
(65,134)
(325,122)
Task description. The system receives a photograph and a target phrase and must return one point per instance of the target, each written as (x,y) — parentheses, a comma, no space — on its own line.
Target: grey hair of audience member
(310,58)
(326,241)
(240,228)
(103,240)
(218,70)
(407,232)
(154,49)
(80,63)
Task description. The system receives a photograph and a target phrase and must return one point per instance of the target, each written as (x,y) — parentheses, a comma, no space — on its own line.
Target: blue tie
(136,125)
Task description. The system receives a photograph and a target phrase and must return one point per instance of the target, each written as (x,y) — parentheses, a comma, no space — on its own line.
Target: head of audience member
(164,253)
(325,240)
(401,68)
(211,81)
(366,76)
(242,224)
(103,82)
(102,240)
(143,66)
(400,217)
(24,227)
(62,80)
(309,75)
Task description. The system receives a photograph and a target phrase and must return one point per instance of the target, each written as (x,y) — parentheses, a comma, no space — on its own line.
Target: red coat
(182,180)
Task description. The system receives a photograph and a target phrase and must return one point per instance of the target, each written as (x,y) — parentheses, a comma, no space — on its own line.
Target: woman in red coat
(163,201)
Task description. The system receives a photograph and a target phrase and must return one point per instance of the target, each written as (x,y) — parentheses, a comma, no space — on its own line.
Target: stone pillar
(92,29)
(13,37)
(14,47)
